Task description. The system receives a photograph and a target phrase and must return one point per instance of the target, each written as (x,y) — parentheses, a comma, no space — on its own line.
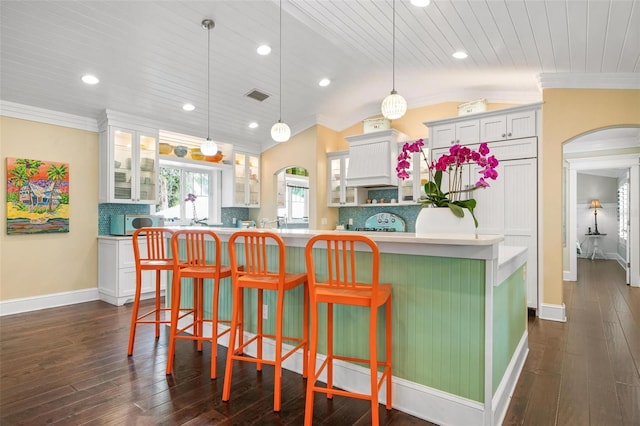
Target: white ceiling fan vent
(257,95)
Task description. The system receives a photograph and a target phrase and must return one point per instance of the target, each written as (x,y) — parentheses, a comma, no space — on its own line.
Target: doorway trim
(630,161)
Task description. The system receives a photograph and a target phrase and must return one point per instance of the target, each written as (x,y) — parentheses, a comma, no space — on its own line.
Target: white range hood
(373,158)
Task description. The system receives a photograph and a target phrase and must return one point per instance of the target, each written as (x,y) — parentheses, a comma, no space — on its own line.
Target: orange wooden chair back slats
(343,263)
(155,258)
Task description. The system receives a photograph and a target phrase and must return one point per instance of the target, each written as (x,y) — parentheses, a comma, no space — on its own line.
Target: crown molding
(568,80)
(41,115)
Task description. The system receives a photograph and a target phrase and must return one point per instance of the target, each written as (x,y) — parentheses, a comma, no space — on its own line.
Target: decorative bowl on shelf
(180,150)
(196,154)
(214,158)
(164,148)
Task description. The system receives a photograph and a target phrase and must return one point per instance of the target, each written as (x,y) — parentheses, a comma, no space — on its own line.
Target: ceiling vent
(257,95)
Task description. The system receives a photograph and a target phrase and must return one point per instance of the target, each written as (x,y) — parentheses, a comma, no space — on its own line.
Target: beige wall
(568,113)
(40,264)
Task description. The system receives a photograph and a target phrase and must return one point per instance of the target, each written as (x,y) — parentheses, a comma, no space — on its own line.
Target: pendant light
(208,146)
(394,106)
(280,132)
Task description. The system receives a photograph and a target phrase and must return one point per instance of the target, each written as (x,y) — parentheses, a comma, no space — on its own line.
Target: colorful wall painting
(37,196)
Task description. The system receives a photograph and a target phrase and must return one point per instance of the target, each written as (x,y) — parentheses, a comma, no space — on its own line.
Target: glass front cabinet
(412,189)
(340,194)
(242,182)
(128,165)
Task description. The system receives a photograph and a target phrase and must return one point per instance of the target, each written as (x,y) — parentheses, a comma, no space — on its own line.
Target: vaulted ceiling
(151,57)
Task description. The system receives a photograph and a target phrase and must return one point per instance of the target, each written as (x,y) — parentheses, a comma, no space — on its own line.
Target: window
(623,211)
(177,180)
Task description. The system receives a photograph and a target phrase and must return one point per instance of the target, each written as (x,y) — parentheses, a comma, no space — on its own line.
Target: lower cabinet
(117,272)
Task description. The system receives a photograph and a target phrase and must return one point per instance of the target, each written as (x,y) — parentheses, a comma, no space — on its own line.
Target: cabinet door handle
(504,136)
(509,134)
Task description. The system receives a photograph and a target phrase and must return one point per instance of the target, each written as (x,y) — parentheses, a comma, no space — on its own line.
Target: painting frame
(37,196)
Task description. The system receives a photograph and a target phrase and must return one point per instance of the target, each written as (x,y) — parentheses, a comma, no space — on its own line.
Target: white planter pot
(440,220)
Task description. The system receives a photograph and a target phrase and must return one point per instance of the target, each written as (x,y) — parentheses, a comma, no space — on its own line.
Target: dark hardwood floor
(69,366)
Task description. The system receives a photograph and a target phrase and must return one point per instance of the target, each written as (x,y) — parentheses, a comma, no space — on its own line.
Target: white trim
(504,392)
(41,115)
(553,312)
(35,303)
(583,80)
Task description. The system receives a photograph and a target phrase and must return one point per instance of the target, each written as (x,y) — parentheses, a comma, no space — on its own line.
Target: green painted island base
(459,325)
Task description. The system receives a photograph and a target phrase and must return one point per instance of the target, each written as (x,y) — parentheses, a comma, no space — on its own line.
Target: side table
(594,240)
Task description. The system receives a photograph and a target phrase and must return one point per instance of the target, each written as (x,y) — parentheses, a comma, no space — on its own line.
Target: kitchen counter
(459,325)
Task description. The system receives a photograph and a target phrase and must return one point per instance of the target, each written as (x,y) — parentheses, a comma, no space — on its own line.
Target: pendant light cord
(280,88)
(208,81)
(393,64)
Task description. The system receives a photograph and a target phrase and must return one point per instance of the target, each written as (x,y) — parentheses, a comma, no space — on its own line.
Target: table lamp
(595,205)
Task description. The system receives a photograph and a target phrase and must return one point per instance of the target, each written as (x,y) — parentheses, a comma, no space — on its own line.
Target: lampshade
(280,132)
(209,147)
(595,204)
(393,106)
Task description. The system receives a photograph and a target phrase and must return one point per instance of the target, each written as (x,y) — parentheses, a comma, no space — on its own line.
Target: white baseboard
(418,400)
(28,304)
(552,312)
(503,394)
(569,276)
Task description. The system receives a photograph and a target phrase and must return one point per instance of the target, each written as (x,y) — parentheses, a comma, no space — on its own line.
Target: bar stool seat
(263,273)
(335,279)
(155,257)
(201,261)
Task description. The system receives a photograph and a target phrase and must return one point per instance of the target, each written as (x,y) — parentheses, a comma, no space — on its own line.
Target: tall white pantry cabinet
(510,205)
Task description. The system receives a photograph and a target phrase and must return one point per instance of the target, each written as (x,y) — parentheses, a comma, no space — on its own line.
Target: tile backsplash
(105,211)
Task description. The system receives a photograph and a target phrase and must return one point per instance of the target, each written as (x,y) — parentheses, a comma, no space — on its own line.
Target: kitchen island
(459,322)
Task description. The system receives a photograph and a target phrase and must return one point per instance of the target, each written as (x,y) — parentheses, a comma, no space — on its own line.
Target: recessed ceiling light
(263,49)
(324,82)
(420,3)
(253,125)
(90,79)
(460,55)
(188,107)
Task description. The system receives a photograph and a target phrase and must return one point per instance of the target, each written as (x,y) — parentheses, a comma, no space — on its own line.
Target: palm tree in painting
(55,173)
(31,168)
(18,176)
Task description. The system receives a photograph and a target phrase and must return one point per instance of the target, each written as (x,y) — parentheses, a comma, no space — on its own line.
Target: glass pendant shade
(280,132)
(393,106)
(208,147)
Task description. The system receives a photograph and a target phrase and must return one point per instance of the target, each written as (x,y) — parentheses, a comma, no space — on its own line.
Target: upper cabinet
(373,158)
(241,184)
(510,126)
(340,194)
(463,133)
(128,164)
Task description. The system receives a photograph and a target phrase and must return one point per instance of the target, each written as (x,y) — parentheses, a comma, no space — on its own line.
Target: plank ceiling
(151,56)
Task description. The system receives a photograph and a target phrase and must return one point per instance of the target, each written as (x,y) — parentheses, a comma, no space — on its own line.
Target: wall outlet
(265,311)
(233,221)
(350,221)
(323,221)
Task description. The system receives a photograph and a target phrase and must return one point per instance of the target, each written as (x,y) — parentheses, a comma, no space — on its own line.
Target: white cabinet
(509,206)
(463,133)
(510,126)
(128,161)
(241,183)
(340,194)
(117,271)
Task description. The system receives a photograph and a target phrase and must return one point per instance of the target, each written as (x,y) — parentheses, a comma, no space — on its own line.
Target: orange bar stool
(263,271)
(154,257)
(201,261)
(336,264)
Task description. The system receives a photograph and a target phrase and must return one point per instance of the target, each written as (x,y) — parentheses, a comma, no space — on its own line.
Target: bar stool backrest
(344,263)
(256,254)
(157,240)
(198,244)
